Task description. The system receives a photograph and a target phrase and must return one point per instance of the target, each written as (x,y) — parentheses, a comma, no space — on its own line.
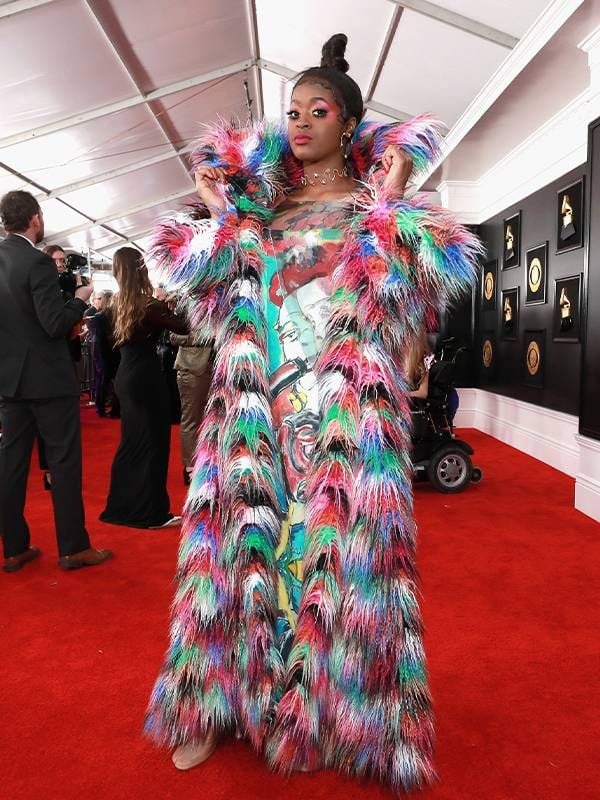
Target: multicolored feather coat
(353,693)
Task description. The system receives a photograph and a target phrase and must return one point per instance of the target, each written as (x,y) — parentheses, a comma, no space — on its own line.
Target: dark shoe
(171,522)
(100,413)
(14,563)
(86,558)
(46,482)
(187,477)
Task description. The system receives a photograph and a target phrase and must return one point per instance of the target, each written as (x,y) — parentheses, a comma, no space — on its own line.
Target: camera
(74,261)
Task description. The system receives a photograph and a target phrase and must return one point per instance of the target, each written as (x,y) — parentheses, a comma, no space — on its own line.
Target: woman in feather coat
(295,621)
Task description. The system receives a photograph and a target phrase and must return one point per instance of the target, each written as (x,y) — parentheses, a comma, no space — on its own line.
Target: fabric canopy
(101,100)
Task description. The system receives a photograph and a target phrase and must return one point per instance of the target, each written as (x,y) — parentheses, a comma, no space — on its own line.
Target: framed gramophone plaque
(569,217)
(488,287)
(536,264)
(487,363)
(534,357)
(566,317)
(511,253)
(509,314)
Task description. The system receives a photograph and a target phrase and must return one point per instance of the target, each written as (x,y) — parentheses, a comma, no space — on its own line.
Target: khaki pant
(193,390)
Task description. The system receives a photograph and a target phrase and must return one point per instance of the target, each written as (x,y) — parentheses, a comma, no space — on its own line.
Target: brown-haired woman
(138,486)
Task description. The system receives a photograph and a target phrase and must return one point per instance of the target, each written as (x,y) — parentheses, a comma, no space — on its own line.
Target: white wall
(556,147)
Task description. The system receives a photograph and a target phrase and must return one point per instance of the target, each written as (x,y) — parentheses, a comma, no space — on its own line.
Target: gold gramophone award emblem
(534,358)
(535,275)
(488,285)
(508,313)
(487,354)
(568,219)
(509,243)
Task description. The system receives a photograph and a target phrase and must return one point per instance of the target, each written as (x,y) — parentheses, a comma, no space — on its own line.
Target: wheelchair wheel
(450,469)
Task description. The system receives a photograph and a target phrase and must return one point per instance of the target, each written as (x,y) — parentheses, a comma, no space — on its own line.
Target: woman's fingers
(210,173)
(209,181)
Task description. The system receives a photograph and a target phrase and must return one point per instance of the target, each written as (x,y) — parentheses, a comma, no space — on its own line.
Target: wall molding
(587,480)
(555,148)
(548,435)
(540,432)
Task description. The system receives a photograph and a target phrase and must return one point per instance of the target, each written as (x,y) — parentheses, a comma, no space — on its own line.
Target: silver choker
(327,176)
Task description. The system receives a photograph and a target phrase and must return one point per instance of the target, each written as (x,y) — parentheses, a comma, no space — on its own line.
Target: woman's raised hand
(397,165)
(210,184)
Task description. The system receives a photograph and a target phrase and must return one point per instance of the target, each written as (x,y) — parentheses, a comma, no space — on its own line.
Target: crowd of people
(48,311)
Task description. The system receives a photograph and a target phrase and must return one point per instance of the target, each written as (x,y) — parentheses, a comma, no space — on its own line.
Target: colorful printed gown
(295,620)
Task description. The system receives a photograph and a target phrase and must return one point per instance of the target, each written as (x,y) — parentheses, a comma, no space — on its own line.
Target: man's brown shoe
(86,558)
(14,563)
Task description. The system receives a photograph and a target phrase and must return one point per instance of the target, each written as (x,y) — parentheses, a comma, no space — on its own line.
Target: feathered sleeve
(198,256)
(419,137)
(414,257)
(405,259)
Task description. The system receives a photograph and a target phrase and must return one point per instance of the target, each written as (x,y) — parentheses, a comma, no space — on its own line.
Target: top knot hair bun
(333,74)
(332,54)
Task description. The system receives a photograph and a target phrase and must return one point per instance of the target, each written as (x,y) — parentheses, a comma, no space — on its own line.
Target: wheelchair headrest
(441,375)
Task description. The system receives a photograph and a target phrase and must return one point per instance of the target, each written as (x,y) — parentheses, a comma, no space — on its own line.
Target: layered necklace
(325,177)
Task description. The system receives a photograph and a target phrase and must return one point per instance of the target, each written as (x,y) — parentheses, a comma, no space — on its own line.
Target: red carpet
(511,599)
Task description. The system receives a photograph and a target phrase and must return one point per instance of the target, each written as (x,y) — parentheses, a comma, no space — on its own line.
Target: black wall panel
(589,420)
(562,368)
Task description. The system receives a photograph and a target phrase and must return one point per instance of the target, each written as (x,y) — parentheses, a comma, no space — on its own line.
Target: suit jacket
(34,322)
(106,356)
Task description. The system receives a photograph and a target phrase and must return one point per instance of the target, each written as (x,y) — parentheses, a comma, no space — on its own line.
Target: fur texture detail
(353,693)
(419,137)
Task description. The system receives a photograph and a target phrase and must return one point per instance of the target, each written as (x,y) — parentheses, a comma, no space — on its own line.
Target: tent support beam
(43,189)
(289,74)
(167,198)
(130,240)
(255,52)
(124,170)
(121,105)
(394,113)
(383,53)
(459,21)
(129,69)
(17,6)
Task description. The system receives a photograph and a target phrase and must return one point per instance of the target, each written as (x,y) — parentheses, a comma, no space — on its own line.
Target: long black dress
(138,483)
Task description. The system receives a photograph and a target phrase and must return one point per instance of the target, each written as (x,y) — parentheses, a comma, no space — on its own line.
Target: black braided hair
(332,74)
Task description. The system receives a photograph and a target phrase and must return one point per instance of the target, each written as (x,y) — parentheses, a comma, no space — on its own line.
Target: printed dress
(306,238)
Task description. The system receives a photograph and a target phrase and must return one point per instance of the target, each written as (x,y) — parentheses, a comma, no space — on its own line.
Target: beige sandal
(188,756)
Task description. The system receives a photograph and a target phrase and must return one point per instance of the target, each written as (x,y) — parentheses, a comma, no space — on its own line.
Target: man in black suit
(38,390)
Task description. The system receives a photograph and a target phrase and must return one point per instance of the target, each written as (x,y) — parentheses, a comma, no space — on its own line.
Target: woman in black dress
(138,484)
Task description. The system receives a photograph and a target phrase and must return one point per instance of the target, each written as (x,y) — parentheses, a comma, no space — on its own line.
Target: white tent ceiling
(102,99)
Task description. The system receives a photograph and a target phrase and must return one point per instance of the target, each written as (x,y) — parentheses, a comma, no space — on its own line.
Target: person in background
(420,359)
(66,279)
(194,371)
(138,484)
(105,356)
(98,302)
(38,390)
(68,285)
(167,354)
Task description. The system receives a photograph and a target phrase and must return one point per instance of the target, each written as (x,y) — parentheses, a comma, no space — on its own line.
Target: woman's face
(315,123)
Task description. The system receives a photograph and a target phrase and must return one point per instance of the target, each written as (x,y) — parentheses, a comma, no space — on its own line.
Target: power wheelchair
(438,455)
